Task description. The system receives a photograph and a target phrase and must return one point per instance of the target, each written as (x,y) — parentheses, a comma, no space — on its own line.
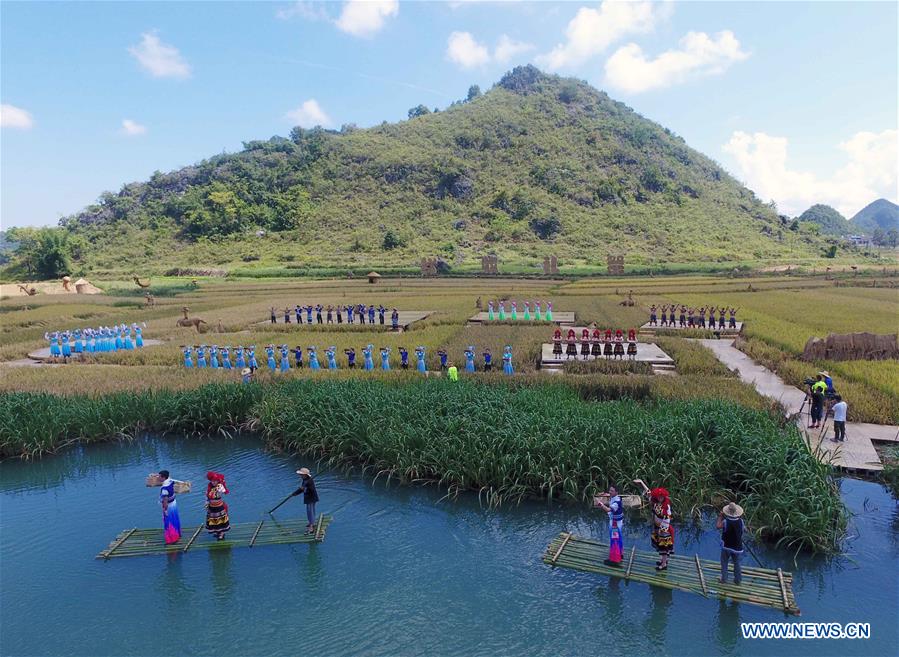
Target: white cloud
(133,128)
(463,49)
(310,11)
(699,54)
(507,48)
(309,115)
(161,60)
(870,173)
(591,31)
(15,117)
(363,18)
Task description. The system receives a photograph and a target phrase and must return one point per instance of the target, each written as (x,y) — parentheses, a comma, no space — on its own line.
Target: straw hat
(246,371)
(304,471)
(732,510)
(824,373)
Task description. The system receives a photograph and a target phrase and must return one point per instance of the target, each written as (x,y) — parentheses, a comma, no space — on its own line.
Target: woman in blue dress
(385,358)
(119,343)
(78,346)
(270,354)
(313,359)
(252,363)
(188,357)
(226,357)
(138,336)
(368,364)
(214,357)
(171,521)
(285,358)
(55,351)
(201,356)
(420,354)
(127,342)
(332,359)
(240,362)
(507,360)
(469,359)
(66,347)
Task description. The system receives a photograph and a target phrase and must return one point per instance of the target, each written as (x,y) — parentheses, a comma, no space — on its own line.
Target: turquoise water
(402,572)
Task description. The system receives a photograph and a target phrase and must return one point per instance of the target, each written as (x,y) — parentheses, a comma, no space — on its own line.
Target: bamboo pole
(630,562)
(705,590)
(318,527)
(561,547)
(783,589)
(113,547)
(192,539)
(256,533)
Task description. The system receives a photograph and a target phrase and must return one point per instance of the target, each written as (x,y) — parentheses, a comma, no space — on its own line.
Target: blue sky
(799,100)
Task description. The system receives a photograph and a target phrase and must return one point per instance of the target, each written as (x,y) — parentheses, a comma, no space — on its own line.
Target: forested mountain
(880,214)
(537,165)
(830,221)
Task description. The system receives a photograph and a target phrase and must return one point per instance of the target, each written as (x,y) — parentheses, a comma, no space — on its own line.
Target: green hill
(538,165)
(830,221)
(880,214)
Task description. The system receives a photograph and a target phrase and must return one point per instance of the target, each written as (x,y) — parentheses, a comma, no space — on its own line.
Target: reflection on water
(402,572)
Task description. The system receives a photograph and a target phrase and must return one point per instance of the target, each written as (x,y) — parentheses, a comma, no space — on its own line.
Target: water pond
(402,571)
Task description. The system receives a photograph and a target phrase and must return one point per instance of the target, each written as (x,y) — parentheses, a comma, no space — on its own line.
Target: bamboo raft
(760,586)
(141,542)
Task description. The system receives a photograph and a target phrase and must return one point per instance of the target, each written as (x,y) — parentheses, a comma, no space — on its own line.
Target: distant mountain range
(880,214)
(831,222)
(537,165)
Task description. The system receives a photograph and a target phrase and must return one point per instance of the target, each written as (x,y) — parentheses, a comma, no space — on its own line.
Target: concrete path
(857,453)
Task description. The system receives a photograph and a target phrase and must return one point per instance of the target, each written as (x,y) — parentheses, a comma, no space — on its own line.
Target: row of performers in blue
(686,317)
(278,358)
(65,344)
(597,343)
(499,311)
(327,314)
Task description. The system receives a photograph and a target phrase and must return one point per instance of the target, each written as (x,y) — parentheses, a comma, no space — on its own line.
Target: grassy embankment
(505,442)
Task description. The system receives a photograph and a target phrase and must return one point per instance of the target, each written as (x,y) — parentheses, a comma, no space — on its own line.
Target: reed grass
(505,442)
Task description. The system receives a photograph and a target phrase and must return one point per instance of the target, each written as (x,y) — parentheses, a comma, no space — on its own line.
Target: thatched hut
(373,277)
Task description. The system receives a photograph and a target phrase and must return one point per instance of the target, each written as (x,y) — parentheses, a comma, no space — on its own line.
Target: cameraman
(816,392)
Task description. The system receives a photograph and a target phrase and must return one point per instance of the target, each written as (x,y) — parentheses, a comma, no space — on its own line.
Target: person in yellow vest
(452,373)
(817,390)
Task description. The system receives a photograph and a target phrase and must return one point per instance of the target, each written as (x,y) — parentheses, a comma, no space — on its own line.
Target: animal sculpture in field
(139,284)
(191,321)
(30,291)
(65,283)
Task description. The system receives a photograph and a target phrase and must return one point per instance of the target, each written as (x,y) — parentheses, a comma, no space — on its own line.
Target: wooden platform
(760,586)
(647,328)
(142,542)
(406,319)
(561,318)
(647,352)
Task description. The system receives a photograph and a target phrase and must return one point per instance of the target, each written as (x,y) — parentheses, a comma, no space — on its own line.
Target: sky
(797,100)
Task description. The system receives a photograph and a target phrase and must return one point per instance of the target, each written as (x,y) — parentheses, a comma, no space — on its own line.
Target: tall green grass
(507,443)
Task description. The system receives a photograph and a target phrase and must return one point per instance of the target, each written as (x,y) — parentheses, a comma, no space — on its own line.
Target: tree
(392,241)
(892,237)
(473,92)
(421,110)
(546,228)
(879,237)
(831,251)
(44,252)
